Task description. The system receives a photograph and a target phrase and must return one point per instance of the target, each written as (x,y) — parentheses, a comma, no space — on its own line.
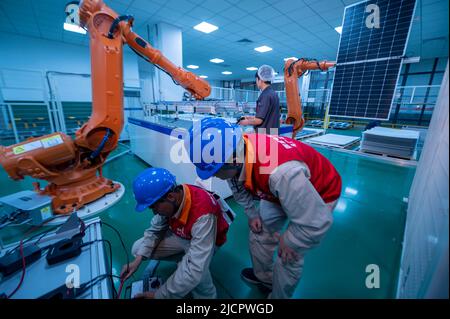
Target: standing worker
(188,225)
(267,106)
(295,183)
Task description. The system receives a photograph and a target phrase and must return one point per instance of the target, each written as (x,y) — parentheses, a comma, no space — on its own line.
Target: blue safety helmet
(151,185)
(203,144)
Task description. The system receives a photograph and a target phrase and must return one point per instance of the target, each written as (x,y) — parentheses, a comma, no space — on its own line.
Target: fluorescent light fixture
(227,72)
(341,206)
(338,29)
(291,58)
(351,191)
(251,68)
(206,27)
(191,66)
(204,76)
(263,49)
(216,60)
(74,28)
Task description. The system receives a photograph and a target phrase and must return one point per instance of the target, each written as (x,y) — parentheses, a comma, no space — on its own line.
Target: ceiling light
(74,28)
(338,29)
(205,27)
(204,76)
(191,66)
(263,49)
(227,72)
(351,191)
(216,60)
(291,58)
(251,68)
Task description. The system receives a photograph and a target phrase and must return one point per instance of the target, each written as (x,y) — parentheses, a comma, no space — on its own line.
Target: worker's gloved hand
(286,253)
(145,295)
(255,224)
(130,269)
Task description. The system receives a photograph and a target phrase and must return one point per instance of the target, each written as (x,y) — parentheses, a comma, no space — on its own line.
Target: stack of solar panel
(392,142)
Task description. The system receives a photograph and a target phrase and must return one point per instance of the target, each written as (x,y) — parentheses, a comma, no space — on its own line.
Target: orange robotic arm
(71,166)
(293,69)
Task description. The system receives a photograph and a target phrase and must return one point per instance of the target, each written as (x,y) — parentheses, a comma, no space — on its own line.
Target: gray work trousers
(309,218)
(173,248)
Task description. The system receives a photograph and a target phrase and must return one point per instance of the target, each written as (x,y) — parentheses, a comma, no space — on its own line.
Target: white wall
(424,267)
(25,60)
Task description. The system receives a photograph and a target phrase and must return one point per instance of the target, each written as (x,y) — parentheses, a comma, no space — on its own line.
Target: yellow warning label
(18,150)
(46,213)
(26,147)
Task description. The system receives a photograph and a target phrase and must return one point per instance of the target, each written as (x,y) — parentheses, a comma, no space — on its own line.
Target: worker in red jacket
(188,225)
(294,183)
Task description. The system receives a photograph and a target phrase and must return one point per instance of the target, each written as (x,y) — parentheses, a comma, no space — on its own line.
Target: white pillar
(167,39)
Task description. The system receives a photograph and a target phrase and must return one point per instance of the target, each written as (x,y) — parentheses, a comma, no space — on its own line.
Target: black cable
(121,241)
(31,228)
(83,229)
(116,23)
(291,66)
(126,290)
(110,260)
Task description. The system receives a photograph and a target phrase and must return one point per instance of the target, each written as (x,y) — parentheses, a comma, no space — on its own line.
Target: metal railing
(44,112)
(31,105)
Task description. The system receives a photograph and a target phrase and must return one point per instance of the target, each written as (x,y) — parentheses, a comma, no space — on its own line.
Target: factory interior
(95,94)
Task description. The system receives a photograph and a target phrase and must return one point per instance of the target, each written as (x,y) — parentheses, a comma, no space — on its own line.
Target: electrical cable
(126,253)
(120,238)
(34,236)
(122,281)
(23,271)
(110,259)
(22,254)
(95,153)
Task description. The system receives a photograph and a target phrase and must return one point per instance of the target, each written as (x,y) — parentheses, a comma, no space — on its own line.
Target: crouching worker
(187,227)
(295,184)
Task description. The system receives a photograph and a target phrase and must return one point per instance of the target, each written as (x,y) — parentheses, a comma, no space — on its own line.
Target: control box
(25,206)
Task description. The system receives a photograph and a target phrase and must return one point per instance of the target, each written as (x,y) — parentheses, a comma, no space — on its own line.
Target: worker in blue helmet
(209,161)
(294,183)
(188,226)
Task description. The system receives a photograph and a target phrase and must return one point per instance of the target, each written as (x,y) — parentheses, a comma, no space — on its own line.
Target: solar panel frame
(371,60)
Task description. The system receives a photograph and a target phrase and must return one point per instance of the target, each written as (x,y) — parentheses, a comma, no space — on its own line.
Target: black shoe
(249,276)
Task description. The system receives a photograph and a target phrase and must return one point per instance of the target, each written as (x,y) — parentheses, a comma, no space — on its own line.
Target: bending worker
(267,106)
(188,225)
(295,184)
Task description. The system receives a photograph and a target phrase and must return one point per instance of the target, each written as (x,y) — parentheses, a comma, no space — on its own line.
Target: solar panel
(365,89)
(372,45)
(360,42)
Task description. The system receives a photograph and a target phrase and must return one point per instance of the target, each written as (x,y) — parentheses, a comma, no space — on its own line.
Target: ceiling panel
(215,6)
(291,27)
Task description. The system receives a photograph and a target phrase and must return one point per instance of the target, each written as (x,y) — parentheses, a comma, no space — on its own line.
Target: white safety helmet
(266,73)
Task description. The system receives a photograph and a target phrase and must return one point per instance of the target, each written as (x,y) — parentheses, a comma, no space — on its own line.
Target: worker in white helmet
(267,117)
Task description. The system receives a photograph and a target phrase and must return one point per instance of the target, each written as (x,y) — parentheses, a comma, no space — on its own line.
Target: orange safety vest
(198,202)
(264,153)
